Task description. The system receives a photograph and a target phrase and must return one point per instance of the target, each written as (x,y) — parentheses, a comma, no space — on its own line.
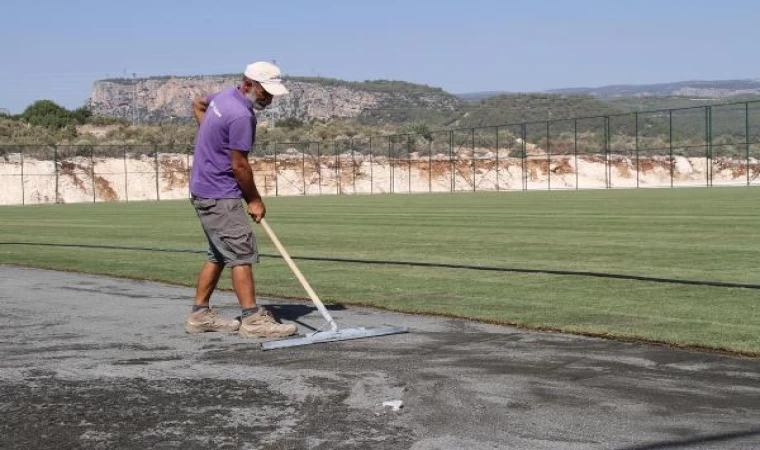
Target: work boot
(207,319)
(263,324)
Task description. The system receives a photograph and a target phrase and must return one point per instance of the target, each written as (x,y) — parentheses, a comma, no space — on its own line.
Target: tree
(81,115)
(421,129)
(48,114)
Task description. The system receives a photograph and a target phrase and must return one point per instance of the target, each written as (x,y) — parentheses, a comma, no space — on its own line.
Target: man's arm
(200,105)
(244,176)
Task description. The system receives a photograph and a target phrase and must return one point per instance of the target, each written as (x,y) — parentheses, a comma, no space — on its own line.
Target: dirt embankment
(166,177)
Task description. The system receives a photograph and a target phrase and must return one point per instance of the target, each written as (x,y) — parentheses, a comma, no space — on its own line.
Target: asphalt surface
(100,363)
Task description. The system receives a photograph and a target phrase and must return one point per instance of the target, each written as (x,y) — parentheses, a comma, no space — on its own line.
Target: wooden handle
(312,295)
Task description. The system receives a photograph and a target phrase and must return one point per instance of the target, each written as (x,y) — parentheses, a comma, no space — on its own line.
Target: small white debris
(394,404)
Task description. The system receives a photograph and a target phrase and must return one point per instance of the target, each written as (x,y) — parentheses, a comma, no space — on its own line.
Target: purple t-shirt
(228,124)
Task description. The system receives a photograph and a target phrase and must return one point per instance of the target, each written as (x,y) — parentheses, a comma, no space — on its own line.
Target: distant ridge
(698,89)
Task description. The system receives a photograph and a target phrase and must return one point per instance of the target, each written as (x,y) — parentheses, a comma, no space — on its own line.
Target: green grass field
(693,234)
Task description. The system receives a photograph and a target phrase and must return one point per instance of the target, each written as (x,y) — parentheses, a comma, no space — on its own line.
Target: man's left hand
(257,210)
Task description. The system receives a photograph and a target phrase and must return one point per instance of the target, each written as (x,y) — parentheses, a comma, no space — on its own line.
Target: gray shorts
(228,229)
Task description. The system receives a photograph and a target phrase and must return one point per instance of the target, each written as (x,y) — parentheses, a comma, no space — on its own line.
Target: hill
(478,96)
(694,89)
(169,98)
(520,108)
(652,103)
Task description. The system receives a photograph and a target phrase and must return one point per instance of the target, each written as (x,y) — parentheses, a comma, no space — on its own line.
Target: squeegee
(334,333)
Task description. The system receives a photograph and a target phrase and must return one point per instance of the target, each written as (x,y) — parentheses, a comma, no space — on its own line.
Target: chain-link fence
(701,146)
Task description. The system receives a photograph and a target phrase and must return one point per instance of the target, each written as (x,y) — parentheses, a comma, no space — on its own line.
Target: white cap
(268,75)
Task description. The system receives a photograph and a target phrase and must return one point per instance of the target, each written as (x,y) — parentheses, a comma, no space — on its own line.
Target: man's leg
(207,280)
(244,285)
(203,319)
(256,321)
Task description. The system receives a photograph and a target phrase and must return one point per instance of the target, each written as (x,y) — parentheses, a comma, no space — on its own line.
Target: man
(220,178)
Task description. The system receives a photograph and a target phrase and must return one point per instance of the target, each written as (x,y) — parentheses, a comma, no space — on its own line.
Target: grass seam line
(426,264)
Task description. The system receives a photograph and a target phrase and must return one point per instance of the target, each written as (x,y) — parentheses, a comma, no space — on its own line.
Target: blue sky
(55,49)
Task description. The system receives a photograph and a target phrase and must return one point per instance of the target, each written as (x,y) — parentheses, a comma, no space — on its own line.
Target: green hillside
(652,103)
(520,108)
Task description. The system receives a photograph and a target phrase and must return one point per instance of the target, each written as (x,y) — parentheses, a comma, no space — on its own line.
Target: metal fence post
(23,190)
(548,155)
(430,166)
(636,119)
(303,168)
(472,161)
(92,173)
(390,165)
(353,164)
(126,177)
(709,147)
(607,171)
(337,169)
(524,157)
(575,150)
(497,159)
(155,157)
(609,150)
(276,173)
(409,162)
(451,161)
(371,169)
(670,144)
(319,167)
(746,137)
(55,169)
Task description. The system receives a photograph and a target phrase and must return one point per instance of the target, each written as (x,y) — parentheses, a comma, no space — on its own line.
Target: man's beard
(259,105)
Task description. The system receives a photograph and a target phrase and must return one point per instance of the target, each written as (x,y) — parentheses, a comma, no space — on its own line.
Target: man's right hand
(199,109)
(257,210)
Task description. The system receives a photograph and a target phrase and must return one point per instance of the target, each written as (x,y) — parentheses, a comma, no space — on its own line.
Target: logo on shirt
(215,109)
